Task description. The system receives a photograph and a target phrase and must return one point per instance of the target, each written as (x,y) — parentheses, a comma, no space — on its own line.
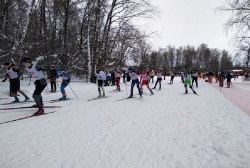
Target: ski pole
(73,92)
(126,87)
(47,86)
(144,91)
(202,82)
(57,85)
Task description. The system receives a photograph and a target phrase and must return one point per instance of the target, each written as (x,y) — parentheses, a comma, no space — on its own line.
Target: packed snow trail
(238,93)
(163,130)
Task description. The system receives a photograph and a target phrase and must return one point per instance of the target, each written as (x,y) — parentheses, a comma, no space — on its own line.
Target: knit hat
(27,60)
(6,63)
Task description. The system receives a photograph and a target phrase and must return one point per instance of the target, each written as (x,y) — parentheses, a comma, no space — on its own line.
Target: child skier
(101,77)
(145,79)
(135,80)
(117,79)
(152,74)
(65,82)
(159,78)
(171,77)
(53,73)
(188,81)
(12,74)
(229,77)
(221,79)
(36,72)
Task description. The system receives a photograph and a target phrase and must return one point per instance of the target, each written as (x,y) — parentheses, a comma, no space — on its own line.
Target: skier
(187,81)
(221,79)
(117,79)
(171,77)
(182,77)
(135,80)
(145,79)
(53,73)
(36,72)
(101,77)
(124,76)
(229,77)
(65,82)
(12,74)
(159,78)
(152,74)
(113,77)
(195,76)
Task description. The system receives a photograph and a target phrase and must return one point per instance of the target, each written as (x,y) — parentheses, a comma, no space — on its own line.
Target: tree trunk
(96,37)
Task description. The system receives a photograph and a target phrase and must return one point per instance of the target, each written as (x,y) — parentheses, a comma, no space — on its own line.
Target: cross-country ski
(24,107)
(26,117)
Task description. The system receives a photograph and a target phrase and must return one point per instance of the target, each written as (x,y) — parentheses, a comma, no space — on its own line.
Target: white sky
(190,22)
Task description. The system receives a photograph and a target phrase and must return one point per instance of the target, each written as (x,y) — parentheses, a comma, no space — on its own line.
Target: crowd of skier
(36,72)
(138,79)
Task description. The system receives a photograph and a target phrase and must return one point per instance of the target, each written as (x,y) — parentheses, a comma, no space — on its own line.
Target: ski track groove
(120,160)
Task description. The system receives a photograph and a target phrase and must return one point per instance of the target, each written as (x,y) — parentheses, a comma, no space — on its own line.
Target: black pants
(152,77)
(100,86)
(172,79)
(53,86)
(158,80)
(195,79)
(39,87)
(182,79)
(14,85)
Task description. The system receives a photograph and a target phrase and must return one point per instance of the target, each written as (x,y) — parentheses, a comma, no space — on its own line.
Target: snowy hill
(166,130)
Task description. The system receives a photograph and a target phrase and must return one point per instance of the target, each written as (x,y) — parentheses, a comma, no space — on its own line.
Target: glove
(64,82)
(4,80)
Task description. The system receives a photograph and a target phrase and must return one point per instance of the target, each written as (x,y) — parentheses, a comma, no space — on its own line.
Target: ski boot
(39,112)
(131,96)
(62,98)
(15,101)
(26,98)
(186,92)
(151,92)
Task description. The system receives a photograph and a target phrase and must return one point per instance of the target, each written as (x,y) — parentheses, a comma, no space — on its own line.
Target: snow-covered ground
(166,130)
(243,85)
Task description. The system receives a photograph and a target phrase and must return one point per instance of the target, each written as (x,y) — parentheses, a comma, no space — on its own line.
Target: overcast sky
(190,22)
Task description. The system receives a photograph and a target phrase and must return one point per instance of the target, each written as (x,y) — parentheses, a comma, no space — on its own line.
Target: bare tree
(240,10)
